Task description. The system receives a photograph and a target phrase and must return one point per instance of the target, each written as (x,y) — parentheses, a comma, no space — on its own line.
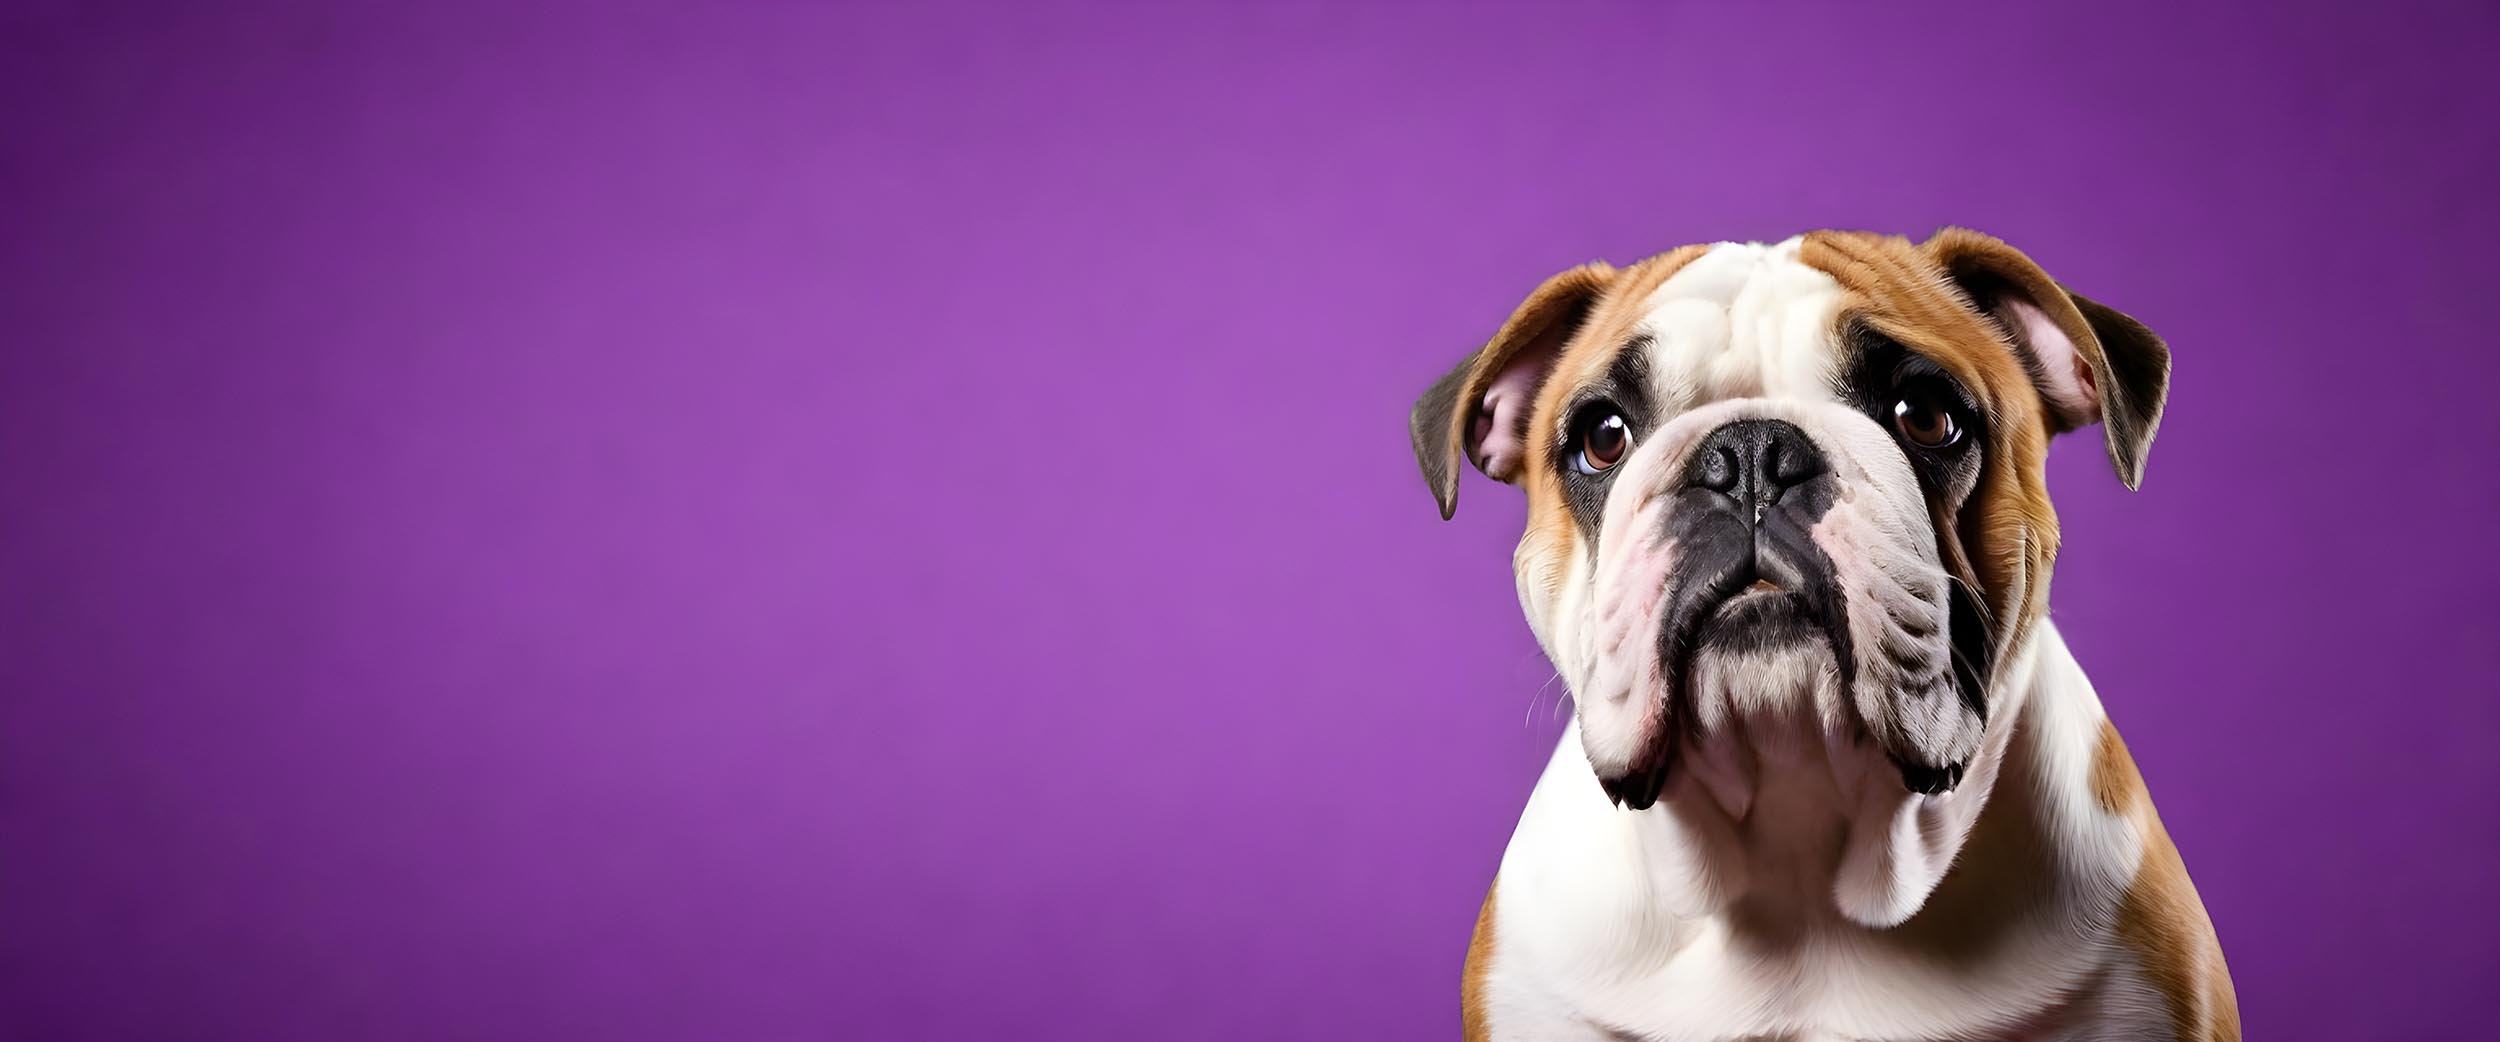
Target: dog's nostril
(1788,466)
(1719,470)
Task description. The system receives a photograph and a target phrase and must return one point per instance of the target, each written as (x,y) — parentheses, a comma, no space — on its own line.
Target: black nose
(1753,462)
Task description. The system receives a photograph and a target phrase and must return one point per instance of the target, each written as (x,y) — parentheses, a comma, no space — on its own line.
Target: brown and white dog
(1832,774)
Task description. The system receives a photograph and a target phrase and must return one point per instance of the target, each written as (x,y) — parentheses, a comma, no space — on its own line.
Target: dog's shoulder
(2161,921)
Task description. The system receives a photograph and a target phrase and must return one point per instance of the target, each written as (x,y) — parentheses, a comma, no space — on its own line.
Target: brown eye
(1603,443)
(1922,416)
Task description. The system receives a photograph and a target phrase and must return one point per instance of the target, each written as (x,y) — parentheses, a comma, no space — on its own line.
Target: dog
(1831,771)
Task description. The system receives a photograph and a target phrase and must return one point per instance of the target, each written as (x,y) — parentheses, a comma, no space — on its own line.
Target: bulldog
(1831,773)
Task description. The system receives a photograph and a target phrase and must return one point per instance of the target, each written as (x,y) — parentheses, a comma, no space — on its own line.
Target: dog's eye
(1603,443)
(1924,413)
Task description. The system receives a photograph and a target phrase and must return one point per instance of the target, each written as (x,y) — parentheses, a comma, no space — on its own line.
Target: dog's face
(1800,482)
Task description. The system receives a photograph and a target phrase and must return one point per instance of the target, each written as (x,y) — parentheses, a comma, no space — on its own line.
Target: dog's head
(1802,481)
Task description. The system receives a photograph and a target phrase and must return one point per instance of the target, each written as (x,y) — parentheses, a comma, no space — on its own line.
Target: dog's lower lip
(1639,788)
(1930,781)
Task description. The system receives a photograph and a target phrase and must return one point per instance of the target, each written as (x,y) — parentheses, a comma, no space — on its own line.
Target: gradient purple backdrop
(895,522)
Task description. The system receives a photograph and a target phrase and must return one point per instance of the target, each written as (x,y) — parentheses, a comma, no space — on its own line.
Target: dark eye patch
(1623,391)
(1879,368)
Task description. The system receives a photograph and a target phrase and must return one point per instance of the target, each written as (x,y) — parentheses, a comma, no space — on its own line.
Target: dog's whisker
(1527,720)
(1979,604)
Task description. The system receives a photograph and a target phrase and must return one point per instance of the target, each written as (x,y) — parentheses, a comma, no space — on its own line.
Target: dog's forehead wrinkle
(1744,320)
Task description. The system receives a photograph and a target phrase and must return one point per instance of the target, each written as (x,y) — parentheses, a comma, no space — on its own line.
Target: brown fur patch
(1471,1017)
(2114,780)
(2160,919)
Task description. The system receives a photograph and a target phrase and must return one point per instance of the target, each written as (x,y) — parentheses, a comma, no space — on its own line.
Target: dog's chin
(1762,654)
(1763,662)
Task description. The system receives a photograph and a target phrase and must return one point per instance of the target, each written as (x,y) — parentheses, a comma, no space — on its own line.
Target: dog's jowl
(1832,774)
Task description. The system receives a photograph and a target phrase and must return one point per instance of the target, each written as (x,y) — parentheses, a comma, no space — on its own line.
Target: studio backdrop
(895,521)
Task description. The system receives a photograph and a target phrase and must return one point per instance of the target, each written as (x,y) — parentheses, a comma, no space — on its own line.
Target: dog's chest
(1597,932)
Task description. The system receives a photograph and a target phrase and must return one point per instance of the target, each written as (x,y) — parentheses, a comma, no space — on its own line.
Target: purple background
(896,522)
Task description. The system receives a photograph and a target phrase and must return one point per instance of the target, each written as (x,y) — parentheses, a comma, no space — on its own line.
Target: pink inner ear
(2066,380)
(1495,443)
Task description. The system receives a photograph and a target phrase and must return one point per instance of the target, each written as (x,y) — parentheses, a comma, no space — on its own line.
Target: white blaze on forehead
(1745,320)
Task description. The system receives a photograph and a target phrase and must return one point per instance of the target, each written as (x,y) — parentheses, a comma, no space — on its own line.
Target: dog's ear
(2092,364)
(1480,409)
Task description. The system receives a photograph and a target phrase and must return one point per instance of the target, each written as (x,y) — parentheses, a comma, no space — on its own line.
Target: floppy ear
(2092,364)
(1480,409)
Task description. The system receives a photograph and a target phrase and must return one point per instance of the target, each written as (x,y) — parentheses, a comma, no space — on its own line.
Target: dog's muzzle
(1748,576)
(1747,570)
